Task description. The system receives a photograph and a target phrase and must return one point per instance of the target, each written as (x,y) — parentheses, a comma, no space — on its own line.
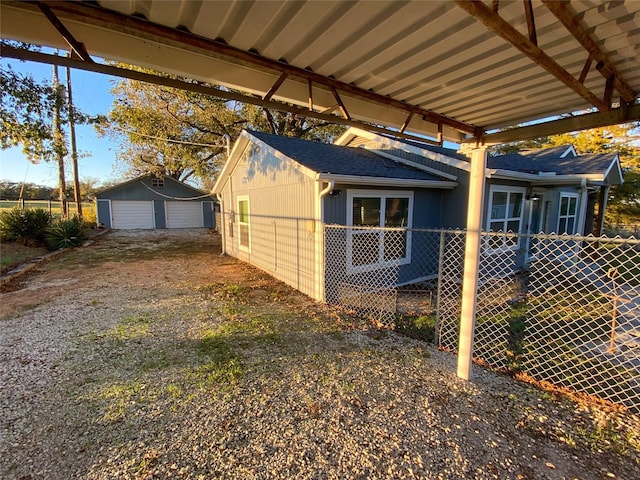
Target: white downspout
(319,232)
(583,206)
(471,261)
(222,220)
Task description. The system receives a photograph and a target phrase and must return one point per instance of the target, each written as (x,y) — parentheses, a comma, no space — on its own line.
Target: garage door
(127,214)
(184,214)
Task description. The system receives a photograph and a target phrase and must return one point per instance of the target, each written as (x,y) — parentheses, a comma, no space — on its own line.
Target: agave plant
(27,226)
(65,233)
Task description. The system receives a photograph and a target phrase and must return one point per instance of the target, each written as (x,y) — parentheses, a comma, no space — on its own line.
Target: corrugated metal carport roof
(462,67)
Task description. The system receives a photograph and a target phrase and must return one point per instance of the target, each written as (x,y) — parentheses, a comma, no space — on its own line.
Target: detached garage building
(154,202)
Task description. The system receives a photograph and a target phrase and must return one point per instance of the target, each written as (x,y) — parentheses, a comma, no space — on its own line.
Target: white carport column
(471,261)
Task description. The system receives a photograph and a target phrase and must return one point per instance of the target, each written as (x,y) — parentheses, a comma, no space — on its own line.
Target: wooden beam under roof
(616,116)
(563,13)
(77,47)
(501,27)
(31,56)
(531,23)
(101,17)
(274,88)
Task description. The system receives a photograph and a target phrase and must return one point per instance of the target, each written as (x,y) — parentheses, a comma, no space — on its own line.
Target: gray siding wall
(283,229)
(427,206)
(142,190)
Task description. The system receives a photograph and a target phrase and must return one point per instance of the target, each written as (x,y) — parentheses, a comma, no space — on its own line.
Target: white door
(184,214)
(129,214)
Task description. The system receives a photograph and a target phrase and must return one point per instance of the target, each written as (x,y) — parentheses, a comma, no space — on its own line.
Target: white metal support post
(471,261)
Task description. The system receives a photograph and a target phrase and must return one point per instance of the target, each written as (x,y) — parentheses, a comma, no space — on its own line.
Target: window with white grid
(567,213)
(505,215)
(369,249)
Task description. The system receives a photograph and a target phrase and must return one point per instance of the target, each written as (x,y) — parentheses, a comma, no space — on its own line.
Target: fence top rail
(456,231)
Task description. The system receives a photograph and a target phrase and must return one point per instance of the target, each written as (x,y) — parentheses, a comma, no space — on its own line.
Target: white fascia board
(542,179)
(570,150)
(351,132)
(399,144)
(347,136)
(234,156)
(615,162)
(385,182)
(416,165)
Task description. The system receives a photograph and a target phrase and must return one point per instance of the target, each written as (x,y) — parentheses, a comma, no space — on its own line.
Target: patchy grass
(13,254)
(421,327)
(135,326)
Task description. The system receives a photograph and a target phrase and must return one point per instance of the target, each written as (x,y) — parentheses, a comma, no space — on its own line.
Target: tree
(27,113)
(29,191)
(183,135)
(33,114)
(290,125)
(624,200)
(175,133)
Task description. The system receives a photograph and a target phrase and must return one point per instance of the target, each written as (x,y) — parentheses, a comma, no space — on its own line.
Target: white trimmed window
(567,213)
(373,247)
(505,215)
(244,227)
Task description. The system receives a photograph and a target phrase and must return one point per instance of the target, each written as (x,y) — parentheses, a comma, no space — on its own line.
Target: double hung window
(244,231)
(380,235)
(505,215)
(567,213)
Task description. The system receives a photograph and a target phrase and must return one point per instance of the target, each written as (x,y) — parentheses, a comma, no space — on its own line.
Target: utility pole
(58,141)
(74,151)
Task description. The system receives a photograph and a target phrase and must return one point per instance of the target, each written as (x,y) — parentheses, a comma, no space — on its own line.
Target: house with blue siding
(150,202)
(277,194)
(551,190)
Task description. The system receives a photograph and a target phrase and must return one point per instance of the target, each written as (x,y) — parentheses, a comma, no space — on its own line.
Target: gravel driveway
(148,355)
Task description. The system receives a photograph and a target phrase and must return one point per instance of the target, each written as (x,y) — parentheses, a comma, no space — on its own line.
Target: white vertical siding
(282,220)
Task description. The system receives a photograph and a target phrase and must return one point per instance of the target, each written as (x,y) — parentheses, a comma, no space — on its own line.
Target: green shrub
(89,216)
(422,327)
(65,233)
(27,226)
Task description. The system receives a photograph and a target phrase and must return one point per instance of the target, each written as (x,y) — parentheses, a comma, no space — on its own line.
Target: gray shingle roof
(535,161)
(549,160)
(338,160)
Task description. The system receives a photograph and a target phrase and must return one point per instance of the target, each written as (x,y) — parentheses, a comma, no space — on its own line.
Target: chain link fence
(562,309)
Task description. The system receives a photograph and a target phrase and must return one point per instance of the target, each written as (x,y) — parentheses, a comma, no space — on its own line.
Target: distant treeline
(31,191)
(11,190)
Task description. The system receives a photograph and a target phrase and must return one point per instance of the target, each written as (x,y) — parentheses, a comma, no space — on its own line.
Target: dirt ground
(149,257)
(149,355)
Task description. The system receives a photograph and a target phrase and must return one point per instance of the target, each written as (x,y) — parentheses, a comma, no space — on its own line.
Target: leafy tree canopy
(183,135)
(27,114)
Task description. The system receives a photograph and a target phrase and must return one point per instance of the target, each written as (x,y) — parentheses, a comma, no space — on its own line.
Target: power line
(175,198)
(182,142)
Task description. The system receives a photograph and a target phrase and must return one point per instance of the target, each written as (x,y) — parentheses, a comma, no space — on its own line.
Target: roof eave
(236,151)
(385,181)
(501,174)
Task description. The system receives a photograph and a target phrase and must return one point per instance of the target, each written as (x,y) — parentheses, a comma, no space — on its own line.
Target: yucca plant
(65,233)
(27,226)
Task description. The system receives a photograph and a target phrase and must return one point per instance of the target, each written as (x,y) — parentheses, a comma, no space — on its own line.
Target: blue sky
(92,95)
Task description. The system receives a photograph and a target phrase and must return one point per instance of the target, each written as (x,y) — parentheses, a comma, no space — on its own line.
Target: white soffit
(429,54)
